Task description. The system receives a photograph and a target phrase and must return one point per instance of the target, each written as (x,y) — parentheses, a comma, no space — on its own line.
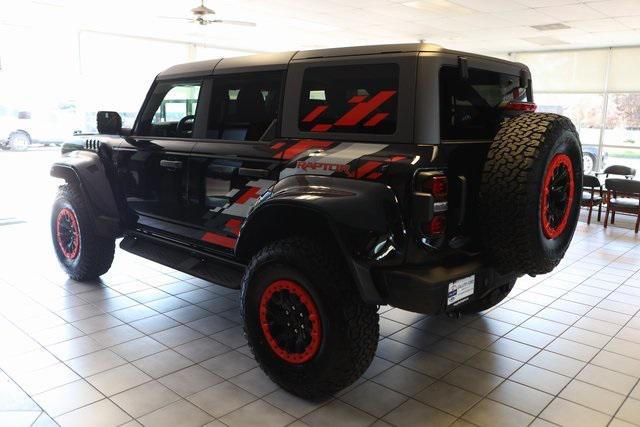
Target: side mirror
(109,122)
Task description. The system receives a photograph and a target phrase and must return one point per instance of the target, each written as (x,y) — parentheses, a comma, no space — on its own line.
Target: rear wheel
(530,193)
(81,252)
(304,319)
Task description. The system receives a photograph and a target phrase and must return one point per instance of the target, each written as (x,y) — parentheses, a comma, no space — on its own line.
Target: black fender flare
(86,171)
(363,218)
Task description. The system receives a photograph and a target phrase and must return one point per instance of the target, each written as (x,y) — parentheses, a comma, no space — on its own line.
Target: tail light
(437,226)
(520,106)
(437,186)
(430,204)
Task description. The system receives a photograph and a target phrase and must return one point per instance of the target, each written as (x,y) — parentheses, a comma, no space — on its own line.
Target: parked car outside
(21,128)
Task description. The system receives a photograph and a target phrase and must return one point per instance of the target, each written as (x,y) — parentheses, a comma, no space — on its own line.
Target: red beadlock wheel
(290,321)
(557,196)
(68,233)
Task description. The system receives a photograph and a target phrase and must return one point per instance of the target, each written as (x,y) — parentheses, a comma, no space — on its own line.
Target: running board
(183,258)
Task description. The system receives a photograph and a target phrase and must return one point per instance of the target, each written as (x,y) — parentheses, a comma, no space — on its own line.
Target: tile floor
(149,345)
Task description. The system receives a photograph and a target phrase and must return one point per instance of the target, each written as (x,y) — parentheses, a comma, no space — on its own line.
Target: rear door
(238,159)
(152,165)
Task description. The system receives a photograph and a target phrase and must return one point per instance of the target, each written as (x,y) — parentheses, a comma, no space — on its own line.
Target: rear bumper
(425,289)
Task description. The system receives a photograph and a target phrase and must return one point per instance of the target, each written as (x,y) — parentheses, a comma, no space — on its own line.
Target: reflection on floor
(152,345)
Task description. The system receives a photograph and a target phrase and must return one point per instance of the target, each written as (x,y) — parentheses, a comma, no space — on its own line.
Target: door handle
(171,164)
(254,173)
(224,170)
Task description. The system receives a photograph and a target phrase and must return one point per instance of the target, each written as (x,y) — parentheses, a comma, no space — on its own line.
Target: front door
(152,165)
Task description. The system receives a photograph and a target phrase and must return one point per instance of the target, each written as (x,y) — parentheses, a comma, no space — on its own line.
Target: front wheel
(304,319)
(82,253)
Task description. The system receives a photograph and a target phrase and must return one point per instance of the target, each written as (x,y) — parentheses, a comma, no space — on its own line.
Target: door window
(350,99)
(244,106)
(171,109)
(472,108)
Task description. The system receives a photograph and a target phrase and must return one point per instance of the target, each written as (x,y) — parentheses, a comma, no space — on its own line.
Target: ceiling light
(551,27)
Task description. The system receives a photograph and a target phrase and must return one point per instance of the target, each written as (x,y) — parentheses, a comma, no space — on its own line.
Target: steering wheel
(181,127)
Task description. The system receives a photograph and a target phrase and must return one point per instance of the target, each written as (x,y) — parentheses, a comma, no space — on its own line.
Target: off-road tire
(512,187)
(494,298)
(349,326)
(95,253)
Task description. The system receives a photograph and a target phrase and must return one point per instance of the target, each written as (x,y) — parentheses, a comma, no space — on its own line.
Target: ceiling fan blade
(232,22)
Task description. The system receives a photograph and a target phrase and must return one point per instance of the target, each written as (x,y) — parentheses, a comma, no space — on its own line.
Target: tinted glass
(472,108)
(350,99)
(244,106)
(171,110)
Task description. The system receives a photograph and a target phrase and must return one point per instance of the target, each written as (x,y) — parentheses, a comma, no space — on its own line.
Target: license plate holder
(460,290)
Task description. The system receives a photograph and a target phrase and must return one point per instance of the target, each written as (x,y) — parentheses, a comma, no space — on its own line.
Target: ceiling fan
(205,16)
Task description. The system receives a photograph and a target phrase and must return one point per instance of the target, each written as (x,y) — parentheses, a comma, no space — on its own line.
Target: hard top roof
(280,61)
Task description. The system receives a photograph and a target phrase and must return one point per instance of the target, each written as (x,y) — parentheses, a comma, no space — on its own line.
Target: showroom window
(350,99)
(585,111)
(599,91)
(244,106)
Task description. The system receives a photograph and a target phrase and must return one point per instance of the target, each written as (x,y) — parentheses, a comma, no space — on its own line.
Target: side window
(350,99)
(171,110)
(244,106)
(471,108)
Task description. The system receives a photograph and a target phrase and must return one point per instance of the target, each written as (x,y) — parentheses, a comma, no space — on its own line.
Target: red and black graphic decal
(219,239)
(304,145)
(365,106)
(229,238)
(372,170)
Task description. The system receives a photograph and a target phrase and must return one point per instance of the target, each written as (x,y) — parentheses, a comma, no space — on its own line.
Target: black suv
(325,183)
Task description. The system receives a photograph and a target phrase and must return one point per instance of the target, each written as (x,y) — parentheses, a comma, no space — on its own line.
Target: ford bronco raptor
(325,183)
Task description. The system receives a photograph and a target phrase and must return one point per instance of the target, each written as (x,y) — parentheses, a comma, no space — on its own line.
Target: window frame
(202,123)
(427,130)
(137,123)
(454,69)
(322,71)
(406,63)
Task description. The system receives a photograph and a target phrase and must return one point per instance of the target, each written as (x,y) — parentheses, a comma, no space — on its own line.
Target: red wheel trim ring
(548,230)
(293,287)
(71,216)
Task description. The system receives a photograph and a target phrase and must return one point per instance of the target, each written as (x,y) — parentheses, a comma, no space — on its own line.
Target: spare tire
(530,193)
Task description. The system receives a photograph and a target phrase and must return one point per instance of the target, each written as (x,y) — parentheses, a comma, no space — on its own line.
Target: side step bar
(183,258)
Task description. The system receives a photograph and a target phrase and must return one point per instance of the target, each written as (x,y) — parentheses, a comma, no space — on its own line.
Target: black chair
(623,195)
(590,199)
(621,170)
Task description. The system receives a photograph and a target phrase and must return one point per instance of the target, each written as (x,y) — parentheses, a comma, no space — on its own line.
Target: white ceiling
(489,26)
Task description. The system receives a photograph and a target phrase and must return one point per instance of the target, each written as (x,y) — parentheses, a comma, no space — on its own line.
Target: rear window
(350,99)
(471,108)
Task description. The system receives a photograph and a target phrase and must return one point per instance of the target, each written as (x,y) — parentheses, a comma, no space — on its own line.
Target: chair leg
(613,217)
(638,223)
(606,218)
(600,212)
(589,216)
